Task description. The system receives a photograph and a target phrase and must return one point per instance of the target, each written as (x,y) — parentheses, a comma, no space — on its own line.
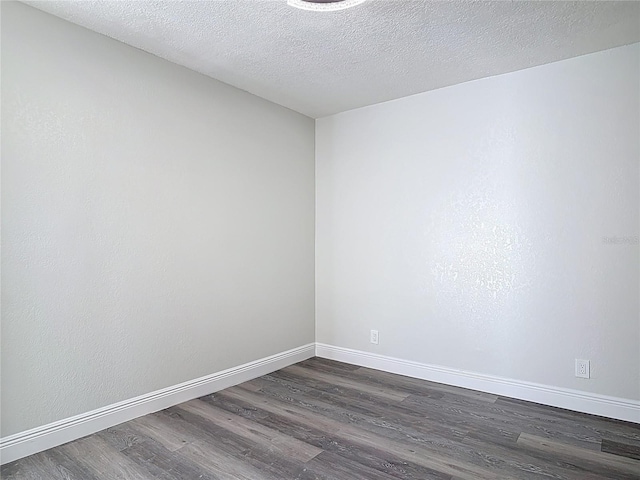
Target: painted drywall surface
(490,226)
(157,225)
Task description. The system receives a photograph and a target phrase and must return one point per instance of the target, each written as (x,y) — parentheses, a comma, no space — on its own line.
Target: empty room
(320,239)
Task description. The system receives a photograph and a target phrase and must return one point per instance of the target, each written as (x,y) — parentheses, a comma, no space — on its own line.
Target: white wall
(157,225)
(466,225)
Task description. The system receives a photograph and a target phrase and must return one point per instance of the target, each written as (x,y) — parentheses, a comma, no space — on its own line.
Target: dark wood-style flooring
(321,419)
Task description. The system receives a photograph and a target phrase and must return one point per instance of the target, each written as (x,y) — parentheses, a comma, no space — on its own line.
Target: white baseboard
(48,436)
(42,438)
(612,407)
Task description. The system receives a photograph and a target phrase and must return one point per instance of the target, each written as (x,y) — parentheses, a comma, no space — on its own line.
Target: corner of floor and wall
(151,254)
(488,232)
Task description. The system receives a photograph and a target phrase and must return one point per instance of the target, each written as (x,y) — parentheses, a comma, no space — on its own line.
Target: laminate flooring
(321,419)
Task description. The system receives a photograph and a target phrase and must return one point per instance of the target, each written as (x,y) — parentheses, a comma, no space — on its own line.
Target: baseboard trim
(48,436)
(612,407)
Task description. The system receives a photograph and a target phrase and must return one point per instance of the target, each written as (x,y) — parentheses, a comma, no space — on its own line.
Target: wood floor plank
(227,454)
(362,403)
(599,427)
(321,420)
(261,456)
(219,465)
(156,427)
(330,466)
(285,445)
(361,410)
(151,455)
(121,436)
(163,464)
(495,414)
(413,453)
(613,466)
(390,383)
(503,443)
(377,457)
(623,449)
(378,391)
(74,469)
(46,465)
(423,385)
(518,466)
(99,457)
(399,383)
(569,429)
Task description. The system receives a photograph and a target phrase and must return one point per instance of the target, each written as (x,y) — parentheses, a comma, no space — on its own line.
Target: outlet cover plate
(582,368)
(374,337)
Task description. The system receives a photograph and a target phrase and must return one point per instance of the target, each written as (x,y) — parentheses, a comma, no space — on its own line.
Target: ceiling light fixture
(324,5)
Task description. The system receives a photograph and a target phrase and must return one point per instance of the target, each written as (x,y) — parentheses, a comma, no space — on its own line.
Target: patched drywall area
(491,226)
(157,225)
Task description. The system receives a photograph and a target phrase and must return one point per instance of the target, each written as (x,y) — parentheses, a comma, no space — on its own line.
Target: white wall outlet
(374,336)
(582,368)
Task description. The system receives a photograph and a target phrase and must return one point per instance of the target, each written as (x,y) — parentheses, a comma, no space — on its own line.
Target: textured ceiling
(323,63)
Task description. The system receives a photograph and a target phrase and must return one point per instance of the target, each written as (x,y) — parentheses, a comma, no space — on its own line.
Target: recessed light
(324,5)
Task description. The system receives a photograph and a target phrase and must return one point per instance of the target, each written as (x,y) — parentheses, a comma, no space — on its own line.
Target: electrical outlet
(582,368)
(374,336)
